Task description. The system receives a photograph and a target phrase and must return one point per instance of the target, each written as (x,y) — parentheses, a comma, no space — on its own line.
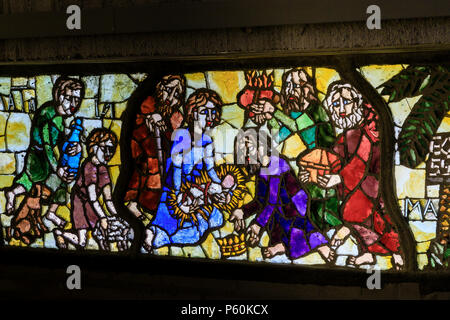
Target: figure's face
(261,111)
(105,151)
(228,182)
(206,116)
(345,111)
(228,185)
(170,93)
(69,101)
(296,91)
(343,103)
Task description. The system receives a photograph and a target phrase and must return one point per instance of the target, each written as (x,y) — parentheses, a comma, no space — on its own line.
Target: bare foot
(340,236)
(272,251)
(148,242)
(365,258)
(397,261)
(327,253)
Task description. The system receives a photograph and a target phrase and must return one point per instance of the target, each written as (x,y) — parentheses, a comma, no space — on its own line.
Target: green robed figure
(42,162)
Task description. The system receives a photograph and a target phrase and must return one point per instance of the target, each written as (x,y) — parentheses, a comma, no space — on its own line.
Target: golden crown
(232,245)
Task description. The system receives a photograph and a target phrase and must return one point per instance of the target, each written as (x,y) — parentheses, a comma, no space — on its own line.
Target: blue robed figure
(182,217)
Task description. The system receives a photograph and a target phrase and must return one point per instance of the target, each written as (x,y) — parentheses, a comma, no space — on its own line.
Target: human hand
(263,106)
(263,110)
(258,118)
(328,181)
(220,197)
(155,121)
(304,175)
(159,122)
(65,175)
(194,207)
(237,217)
(74,149)
(267,109)
(256,108)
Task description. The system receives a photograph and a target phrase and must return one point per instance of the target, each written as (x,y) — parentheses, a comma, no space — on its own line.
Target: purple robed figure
(281,206)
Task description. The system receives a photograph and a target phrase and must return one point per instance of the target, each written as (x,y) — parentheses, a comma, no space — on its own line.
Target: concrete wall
(348,37)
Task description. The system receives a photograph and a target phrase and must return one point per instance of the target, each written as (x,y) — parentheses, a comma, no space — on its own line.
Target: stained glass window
(258,165)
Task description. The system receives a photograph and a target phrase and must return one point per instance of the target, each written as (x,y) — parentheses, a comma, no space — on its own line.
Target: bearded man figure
(357,178)
(295,110)
(299,102)
(157,119)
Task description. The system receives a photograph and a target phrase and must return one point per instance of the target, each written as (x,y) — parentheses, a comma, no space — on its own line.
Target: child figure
(92,182)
